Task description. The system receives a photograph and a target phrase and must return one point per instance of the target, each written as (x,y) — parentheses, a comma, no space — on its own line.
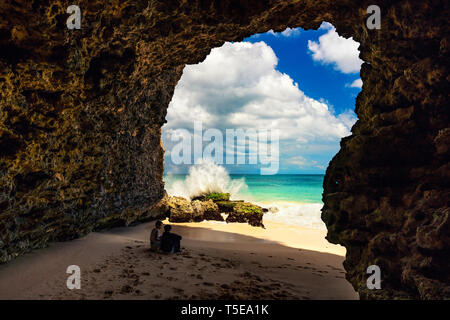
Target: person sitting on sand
(170,242)
(155,238)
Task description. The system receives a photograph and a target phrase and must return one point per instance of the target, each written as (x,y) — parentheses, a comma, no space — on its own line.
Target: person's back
(155,239)
(170,242)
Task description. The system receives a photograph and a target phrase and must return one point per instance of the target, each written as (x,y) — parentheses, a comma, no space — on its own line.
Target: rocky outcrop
(81,112)
(247,213)
(183,210)
(210,210)
(214,196)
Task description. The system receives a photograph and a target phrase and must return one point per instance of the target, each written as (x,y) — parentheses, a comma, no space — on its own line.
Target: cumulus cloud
(338,51)
(289,32)
(356,84)
(238,86)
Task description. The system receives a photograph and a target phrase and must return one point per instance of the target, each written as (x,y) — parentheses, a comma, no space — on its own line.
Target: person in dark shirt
(170,242)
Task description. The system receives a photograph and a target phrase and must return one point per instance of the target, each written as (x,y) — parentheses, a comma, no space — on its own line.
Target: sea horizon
(294,199)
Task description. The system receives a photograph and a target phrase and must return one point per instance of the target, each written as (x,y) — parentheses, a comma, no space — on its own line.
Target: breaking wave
(204,178)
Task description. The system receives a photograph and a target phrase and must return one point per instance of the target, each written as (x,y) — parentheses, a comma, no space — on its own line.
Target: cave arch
(81,112)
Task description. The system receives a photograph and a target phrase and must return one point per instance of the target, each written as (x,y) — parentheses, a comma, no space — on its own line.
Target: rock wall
(81,113)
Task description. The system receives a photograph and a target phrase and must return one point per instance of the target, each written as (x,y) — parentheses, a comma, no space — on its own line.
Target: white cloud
(336,50)
(356,84)
(238,86)
(288,32)
(298,161)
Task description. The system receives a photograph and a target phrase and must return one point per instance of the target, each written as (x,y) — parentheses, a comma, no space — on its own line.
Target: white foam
(297,214)
(204,178)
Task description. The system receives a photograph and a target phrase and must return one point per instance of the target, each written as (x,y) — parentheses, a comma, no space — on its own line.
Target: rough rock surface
(214,196)
(81,112)
(245,212)
(181,210)
(211,211)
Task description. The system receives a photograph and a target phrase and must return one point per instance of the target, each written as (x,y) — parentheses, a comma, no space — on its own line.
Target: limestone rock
(181,210)
(214,196)
(211,211)
(227,206)
(247,213)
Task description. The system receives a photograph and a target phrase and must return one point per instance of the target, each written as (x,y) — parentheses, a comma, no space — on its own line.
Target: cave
(82,110)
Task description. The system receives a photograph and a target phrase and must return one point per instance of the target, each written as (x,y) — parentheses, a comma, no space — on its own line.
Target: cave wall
(81,114)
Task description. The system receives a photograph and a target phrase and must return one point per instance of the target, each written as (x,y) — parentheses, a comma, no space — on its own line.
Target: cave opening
(301,83)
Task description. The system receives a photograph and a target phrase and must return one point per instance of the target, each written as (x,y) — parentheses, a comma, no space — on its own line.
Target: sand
(219,261)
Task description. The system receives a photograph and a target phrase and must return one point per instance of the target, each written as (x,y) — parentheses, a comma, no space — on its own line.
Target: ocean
(297,197)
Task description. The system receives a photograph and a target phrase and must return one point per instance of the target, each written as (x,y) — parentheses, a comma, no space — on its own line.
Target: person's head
(167,228)
(158,224)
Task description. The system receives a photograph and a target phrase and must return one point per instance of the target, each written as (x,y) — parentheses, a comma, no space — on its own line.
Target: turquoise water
(294,188)
(305,188)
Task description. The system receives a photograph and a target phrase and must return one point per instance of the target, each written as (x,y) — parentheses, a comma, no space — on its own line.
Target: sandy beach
(219,261)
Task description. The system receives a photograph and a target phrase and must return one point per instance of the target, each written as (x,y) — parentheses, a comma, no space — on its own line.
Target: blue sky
(316,80)
(301,83)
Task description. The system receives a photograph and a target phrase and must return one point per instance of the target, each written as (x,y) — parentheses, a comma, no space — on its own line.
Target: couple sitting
(167,242)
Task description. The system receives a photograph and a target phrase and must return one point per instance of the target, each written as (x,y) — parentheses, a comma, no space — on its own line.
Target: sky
(300,85)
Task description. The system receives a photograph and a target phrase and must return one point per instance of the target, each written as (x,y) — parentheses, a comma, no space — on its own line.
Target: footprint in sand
(178,290)
(322,271)
(208,284)
(108,293)
(303,267)
(126,289)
